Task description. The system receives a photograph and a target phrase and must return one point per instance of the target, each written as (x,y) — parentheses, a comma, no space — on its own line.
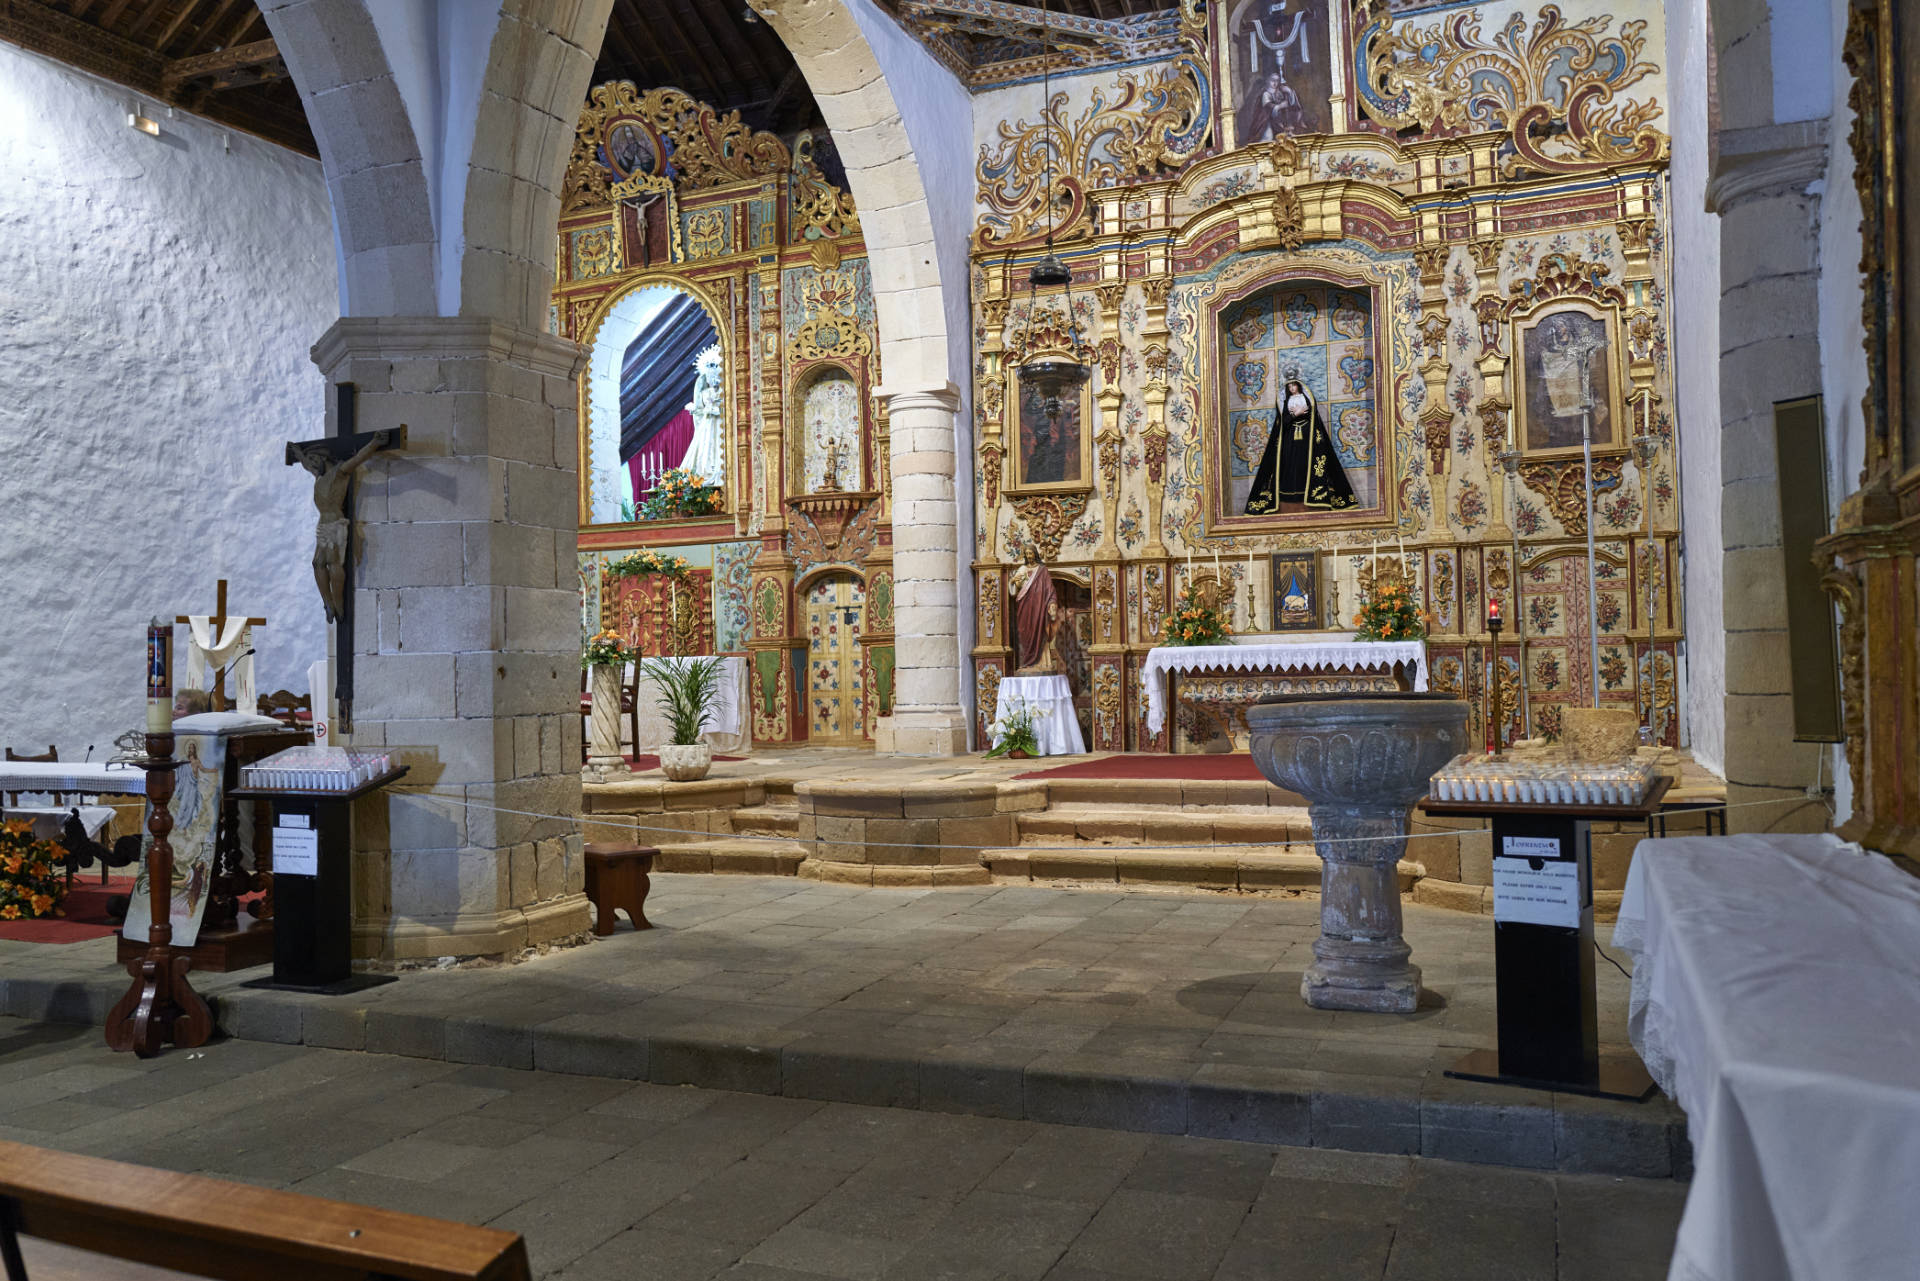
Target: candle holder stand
(161,1005)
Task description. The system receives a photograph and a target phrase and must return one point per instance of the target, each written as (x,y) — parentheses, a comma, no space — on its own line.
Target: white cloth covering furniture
(1058,730)
(725,727)
(1776,997)
(49,820)
(95,779)
(1337,650)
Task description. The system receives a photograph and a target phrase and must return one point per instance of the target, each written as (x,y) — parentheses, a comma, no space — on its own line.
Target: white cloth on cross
(231,649)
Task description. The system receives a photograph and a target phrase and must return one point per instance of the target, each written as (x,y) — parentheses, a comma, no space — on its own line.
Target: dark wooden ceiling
(216,58)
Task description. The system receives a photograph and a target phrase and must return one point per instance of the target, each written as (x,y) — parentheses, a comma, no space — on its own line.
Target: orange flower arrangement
(1194,622)
(1392,613)
(31,885)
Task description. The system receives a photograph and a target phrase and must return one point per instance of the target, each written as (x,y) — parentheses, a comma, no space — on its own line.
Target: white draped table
(1057,732)
(1776,997)
(98,778)
(725,726)
(1337,651)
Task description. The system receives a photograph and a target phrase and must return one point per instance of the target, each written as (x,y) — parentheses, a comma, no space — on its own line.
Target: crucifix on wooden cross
(333,460)
(218,623)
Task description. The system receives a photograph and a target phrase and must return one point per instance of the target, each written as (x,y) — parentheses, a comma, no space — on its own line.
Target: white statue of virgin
(706,455)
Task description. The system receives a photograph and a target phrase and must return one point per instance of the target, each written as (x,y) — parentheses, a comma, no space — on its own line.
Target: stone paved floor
(1172,1012)
(612,1179)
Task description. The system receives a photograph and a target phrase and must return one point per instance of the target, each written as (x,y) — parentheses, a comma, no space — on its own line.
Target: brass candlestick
(1494,712)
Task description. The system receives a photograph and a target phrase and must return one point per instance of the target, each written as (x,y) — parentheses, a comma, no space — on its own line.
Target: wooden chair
(286,707)
(211,1227)
(50,756)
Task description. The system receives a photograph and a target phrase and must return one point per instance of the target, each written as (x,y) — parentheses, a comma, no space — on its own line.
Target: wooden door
(836,610)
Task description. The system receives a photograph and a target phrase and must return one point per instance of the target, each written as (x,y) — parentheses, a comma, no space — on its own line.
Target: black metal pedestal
(313,890)
(1547,1022)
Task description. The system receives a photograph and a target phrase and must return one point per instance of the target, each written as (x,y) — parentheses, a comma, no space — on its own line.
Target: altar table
(1058,732)
(725,726)
(1334,653)
(1776,997)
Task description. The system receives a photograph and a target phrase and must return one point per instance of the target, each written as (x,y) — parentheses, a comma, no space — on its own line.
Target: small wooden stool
(617,880)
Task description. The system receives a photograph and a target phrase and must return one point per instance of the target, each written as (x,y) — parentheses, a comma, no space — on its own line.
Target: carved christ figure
(332,485)
(1036,618)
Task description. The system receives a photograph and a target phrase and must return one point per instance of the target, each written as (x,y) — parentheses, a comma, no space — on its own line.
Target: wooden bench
(617,879)
(212,1228)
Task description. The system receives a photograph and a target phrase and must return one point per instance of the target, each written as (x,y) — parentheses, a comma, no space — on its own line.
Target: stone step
(1427,1114)
(742,857)
(1167,793)
(1139,824)
(1269,868)
(778,820)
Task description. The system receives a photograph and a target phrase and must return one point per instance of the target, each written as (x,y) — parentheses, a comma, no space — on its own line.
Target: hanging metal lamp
(1056,379)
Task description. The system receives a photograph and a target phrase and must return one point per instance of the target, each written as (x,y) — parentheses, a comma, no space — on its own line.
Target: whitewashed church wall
(1843,354)
(159,299)
(1696,339)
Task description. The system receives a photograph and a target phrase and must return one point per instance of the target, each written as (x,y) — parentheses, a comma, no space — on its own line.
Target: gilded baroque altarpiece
(1450,223)
(794,570)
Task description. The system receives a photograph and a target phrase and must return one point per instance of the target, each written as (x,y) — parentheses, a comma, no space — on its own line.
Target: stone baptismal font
(1361,760)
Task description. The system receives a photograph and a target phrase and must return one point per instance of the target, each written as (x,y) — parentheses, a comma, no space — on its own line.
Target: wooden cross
(219,621)
(333,460)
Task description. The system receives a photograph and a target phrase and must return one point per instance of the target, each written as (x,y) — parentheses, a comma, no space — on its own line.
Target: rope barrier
(618,821)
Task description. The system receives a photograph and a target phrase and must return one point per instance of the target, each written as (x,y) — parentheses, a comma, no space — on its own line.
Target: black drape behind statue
(1300,464)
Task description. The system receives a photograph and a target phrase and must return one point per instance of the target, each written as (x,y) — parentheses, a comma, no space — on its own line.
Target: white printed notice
(296,847)
(1524,895)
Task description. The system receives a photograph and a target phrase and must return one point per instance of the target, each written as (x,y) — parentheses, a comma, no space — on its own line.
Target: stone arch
(620,303)
(444,133)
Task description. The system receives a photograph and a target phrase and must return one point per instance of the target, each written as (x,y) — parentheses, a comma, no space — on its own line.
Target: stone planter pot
(1361,760)
(686,762)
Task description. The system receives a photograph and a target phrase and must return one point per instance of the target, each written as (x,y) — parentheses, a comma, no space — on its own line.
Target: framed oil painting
(1052,453)
(1279,57)
(1568,360)
(1296,592)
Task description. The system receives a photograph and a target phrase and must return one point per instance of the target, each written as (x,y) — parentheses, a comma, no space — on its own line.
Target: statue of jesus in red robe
(1036,618)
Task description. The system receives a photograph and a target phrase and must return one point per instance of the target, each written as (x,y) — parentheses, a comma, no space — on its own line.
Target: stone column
(1769,351)
(927,718)
(467,635)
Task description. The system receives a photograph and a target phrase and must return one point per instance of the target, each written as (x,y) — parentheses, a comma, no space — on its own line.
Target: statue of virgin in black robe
(1300,464)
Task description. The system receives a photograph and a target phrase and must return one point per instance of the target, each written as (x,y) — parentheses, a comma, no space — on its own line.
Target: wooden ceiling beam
(45,30)
(112,15)
(148,12)
(172,28)
(246,64)
(202,42)
(249,19)
(712,93)
(739,41)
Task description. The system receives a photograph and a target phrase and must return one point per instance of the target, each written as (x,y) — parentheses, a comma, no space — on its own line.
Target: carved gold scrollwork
(1107,445)
(1153,452)
(1486,254)
(1157,289)
(1283,153)
(1551,89)
(1564,486)
(990,472)
(1159,121)
(990,608)
(1561,275)
(1844,585)
(709,149)
(1289,219)
(1432,262)
(817,203)
(1047,330)
(1048,517)
(1437,426)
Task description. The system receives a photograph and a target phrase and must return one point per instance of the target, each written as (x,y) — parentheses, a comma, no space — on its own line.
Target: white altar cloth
(1776,997)
(1315,649)
(97,778)
(724,729)
(1058,732)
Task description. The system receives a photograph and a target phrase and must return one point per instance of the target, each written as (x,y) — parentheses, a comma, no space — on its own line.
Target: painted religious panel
(1279,68)
(835,615)
(1296,592)
(1053,443)
(1296,386)
(1568,382)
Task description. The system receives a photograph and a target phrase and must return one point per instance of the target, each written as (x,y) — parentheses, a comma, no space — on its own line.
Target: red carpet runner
(1218,768)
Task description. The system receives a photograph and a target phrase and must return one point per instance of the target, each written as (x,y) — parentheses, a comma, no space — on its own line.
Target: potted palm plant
(688,687)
